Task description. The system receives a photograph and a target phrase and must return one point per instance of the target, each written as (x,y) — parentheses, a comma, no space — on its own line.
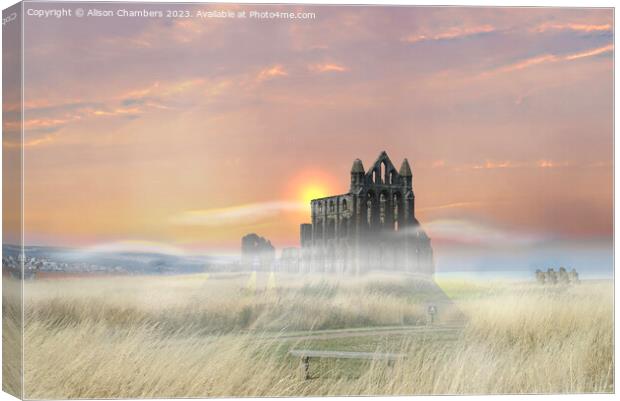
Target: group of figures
(560,277)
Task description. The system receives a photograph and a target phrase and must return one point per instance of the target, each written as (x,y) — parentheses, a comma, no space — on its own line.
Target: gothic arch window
(382,171)
(396,210)
(382,208)
(370,203)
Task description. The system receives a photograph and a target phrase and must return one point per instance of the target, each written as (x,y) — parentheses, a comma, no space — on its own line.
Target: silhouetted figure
(551,276)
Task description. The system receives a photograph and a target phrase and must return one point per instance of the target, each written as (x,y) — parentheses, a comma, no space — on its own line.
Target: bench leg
(304,368)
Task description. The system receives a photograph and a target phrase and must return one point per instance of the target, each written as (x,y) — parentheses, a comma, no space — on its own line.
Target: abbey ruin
(372,227)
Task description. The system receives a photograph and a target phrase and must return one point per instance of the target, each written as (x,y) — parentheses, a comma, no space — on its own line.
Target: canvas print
(233,200)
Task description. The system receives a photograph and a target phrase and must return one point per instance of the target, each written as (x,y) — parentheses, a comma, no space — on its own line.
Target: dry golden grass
(11,337)
(191,336)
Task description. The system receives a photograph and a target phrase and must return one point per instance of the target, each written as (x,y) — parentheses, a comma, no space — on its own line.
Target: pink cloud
(509,164)
(530,62)
(451,33)
(327,67)
(547,58)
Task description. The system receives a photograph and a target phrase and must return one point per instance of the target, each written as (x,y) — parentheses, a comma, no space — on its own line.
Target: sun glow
(313,191)
(311,184)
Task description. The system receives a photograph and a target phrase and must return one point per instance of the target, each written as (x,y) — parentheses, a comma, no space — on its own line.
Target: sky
(191,132)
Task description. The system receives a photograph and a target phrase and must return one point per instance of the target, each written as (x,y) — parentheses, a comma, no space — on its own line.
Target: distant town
(33,265)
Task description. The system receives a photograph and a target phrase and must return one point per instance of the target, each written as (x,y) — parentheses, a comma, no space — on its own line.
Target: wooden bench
(305,356)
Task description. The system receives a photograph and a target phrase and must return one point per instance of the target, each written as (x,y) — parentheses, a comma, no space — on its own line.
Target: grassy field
(229,335)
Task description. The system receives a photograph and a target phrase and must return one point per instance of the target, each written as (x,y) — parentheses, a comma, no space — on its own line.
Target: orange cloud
(116,112)
(43,123)
(31,143)
(156,96)
(590,53)
(494,165)
(272,72)
(551,164)
(573,27)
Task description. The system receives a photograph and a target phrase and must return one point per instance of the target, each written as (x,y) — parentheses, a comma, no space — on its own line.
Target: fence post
(304,368)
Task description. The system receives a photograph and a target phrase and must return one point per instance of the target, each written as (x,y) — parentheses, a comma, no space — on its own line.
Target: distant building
(257,253)
(372,227)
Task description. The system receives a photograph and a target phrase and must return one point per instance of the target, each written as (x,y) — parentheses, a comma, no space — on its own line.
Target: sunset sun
(313,190)
(311,184)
